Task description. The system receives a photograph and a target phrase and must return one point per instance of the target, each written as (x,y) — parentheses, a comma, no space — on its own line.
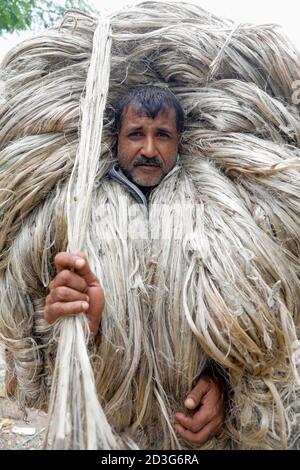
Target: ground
(16,430)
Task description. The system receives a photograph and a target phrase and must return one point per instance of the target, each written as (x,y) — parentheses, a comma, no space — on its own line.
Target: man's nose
(149,149)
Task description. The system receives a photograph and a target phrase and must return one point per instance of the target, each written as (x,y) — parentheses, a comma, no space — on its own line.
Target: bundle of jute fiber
(206,275)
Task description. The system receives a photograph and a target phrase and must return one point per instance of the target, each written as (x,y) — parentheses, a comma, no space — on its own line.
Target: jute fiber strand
(206,276)
(76,419)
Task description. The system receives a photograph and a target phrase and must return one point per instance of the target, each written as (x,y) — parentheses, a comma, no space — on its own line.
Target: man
(149,123)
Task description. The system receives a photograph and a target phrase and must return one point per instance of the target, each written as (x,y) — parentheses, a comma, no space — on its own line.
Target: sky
(285,13)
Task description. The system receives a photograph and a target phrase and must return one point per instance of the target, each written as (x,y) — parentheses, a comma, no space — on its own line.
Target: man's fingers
(65,260)
(68,279)
(195,423)
(66,294)
(85,271)
(79,263)
(200,437)
(57,310)
(195,396)
(195,438)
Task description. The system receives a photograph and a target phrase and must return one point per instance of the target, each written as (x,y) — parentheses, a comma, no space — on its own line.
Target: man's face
(147,147)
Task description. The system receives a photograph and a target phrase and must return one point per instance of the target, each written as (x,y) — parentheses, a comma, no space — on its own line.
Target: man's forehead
(139,116)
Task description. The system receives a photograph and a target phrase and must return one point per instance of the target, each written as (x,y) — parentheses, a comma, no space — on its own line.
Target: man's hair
(150,101)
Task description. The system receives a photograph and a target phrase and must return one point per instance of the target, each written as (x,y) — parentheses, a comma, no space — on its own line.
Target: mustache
(154,161)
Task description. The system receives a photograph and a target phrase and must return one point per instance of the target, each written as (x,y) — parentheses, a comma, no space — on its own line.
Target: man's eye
(135,134)
(163,135)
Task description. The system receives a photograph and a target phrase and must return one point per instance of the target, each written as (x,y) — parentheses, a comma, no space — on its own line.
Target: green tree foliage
(17,15)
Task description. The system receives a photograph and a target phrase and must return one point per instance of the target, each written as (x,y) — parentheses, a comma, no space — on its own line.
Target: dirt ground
(17,431)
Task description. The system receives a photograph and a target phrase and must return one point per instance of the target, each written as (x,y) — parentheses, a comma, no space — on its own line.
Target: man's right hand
(74,292)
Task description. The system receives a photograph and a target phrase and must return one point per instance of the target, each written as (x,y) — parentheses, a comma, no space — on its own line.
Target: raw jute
(206,276)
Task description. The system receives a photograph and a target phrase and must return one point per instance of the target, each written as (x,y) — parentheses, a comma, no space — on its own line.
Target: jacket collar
(116,174)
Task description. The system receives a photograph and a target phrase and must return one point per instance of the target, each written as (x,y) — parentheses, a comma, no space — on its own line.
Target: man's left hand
(207,399)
